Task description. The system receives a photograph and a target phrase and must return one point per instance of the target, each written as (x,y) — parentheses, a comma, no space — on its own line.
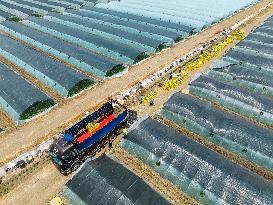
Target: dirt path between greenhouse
(41,186)
(28,135)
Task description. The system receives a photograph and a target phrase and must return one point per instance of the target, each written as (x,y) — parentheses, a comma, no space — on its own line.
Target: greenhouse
(264,31)
(70,53)
(93,42)
(251,57)
(201,173)
(99,31)
(180,12)
(246,103)
(242,137)
(134,38)
(20,99)
(246,77)
(54,74)
(139,18)
(260,38)
(129,25)
(22,7)
(38,5)
(256,46)
(104,181)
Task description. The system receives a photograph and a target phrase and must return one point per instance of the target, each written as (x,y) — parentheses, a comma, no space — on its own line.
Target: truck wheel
(76,166)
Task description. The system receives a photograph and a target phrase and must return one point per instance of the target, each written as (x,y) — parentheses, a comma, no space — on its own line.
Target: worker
(152,102)
(125,131)
(140,99)
(110,144)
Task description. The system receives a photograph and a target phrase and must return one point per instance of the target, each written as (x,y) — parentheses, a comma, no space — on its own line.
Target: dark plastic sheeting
(260,38)
(175,26)
(264,30)
(97,40)
(5,14)
(18,92)
(117,32)
(229,131)
(136,25)
(26,3)
(257,59)
(99,62)
(256,46)
(193,167)
(11,6)
(255,100)
(104,181)
(247,74)
(50,67)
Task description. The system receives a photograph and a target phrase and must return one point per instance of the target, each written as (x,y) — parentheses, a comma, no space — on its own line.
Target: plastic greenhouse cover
(80,2)
(167,9)
(154,14)
(11,6)
(18,92)
(247,74)
(254,58)
(46,65)
(130,36)
(99,62)
(270,18)
(123,21)
(173,10)
(194,168)
(5,14)
(62,3)
(246,77)
(222,128)
(252,99)
(155,8)
(260,38)
(219,7)
(268,24)
(179,7)
(144,19)
(256,46)
(46,8)
(104,181)
(98,40)
(264,30)
(193,7)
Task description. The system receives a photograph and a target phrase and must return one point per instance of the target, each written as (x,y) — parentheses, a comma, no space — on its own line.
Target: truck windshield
(56,159)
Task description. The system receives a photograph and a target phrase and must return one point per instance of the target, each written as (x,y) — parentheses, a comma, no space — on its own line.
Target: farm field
(72,44)
(184,150)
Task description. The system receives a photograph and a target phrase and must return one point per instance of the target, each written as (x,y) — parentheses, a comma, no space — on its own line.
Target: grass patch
(158,163)
(36,108)
(82,85)
(161,47)
(37,15)
(141,57)
(15,19)
(115,70)
(178,39)
(202,194)
(192,32)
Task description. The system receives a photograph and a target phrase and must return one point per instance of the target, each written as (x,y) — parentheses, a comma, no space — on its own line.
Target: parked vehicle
(88,136)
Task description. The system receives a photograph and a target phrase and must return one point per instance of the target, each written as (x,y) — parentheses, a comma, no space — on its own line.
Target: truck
(88,136)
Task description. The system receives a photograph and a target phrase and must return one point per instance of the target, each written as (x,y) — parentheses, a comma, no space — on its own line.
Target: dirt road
(39,188)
